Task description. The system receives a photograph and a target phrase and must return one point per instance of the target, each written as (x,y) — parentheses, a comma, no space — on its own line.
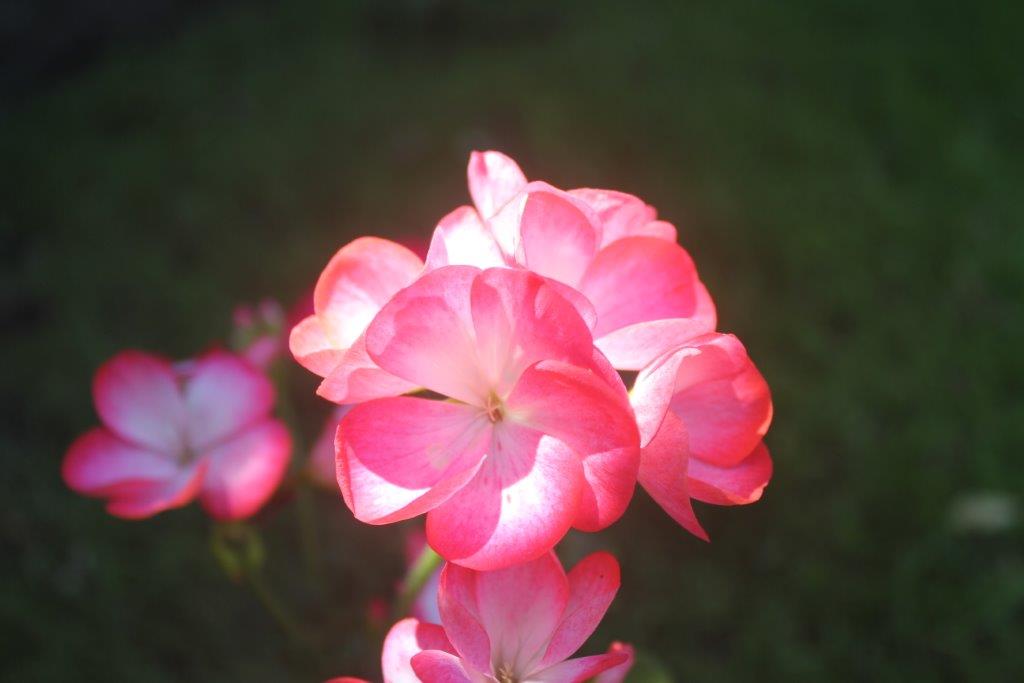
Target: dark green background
(848,180)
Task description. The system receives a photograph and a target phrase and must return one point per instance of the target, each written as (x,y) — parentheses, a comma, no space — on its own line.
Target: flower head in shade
(258,332)
(535,433)
(321,467)
(172,432)
(703,409)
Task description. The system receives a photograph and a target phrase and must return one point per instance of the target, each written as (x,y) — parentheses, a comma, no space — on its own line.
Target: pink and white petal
(424,335)
(654,388)
(223,395)
(579,669)
(557,239)
(145,500)
(635,346)
(520,504)
(494,179)
(137,397)
(462,239)
(579,302)
(723,400)
(405,640)
(593,583)
(358,280)
(638,279)
(400,457)
(737,485)
(618,673)
(662,230)
(519,319)
(434,666)
(581,409)
(663,474)
(312,349)
(357,378)
(245,471)
(460,614)
(519,629)
(506,222)
(98,463)
(621,214)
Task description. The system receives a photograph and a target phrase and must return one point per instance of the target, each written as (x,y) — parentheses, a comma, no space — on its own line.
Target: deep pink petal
(245,471)
(520,607)
(312,349)
(224,394)
(519,319)
(737,485)
(98,462)
(722,399)
(580,669)
(137,397)
(593,583)
(359,279)
(145,500)
(434,666)
(621,214)
(618,673)
(557,239)
(663,470)
(519,505)
(460,614)
(424,335)
(580,408)
(462,239)
(399,457)
(507,222)
(405,640)
(654,388)
(357,378)
(493,180)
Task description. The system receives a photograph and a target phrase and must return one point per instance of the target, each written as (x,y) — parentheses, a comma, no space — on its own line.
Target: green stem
(417,576)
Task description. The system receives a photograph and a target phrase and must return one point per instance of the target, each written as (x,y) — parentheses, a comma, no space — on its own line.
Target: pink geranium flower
(703,409)
(641,287)
(174,432)
(535,436)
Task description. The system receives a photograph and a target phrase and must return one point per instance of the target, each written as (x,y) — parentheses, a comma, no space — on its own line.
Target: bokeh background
(848,177)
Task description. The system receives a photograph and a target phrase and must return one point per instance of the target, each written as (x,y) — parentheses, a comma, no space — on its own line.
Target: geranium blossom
(703,409)
(536,434)
(607,245)
(173,432)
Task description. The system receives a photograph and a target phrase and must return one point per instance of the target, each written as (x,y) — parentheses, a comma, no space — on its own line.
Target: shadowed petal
(593,583)
(578,670)
(224,394)
(663,468)
(737,485)
(244,472)
(434,666)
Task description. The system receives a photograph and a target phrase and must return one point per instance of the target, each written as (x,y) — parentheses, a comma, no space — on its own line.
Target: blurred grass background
(848,179)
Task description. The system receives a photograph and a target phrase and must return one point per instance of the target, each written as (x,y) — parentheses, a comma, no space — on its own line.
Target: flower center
(505,674)
(493,407)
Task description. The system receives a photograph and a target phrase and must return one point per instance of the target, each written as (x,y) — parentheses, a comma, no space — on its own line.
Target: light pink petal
(579,302)
(635,346)
(244,472)
(223,395)
(737,485)
(639,279)
(145,500)
(580,669)
(519,505)
(654,388)
(593,583)
(312,349)
(434,666)
(519,319)
(580,408)
(493,180)
(520,607)
(617,674)
(425,335)
(405,640)
(506,223)
(460,614)
(362,277)
(357,378)
(137,397)
(663,470)
(621,214)
(557,239)
(98,463)
(462,239)
(722,399)
(662,230)
(399,457)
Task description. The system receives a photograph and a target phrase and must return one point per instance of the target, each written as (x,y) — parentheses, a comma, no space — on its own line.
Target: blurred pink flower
(258,333)
(703,409)
(321,466)
(538,435)
(174,432)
